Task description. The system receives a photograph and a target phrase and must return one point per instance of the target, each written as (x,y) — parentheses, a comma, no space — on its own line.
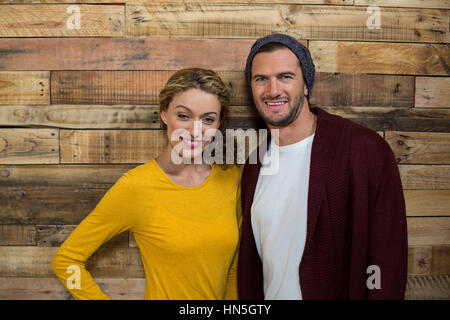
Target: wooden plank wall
(78,109)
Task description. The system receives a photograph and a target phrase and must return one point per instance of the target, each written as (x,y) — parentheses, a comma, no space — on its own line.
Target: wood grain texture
(122,54)
(81,116)
(29,261)
(428,231)
(25,288)
(439,4)
(336,2)
(75,176)
(425,177)
(382,58)
(396,119)
(56,20)
(440,263)
(29,146)
(428,287)
(418,287)
(47,205)
(27,87)
(55,235)
(127,87)
(432,92)
(419,260)
(111,146)
(17,235)
(420,147)
(301,21)
(332,89)
(427,202)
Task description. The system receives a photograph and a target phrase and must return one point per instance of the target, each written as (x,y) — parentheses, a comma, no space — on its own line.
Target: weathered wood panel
(27,87)
(396,119)
(28,146)
(47,206)
(111,146)
(301,21)
(81,116)
(332,89)
(122,54)
(127,87)
(382,58)
(420,147)
(425,177)
(427,202)
(419,260)
(428,287)
(17,235)
(17,288)
(55,235)
(57,20)
(440,263)
(432,92)
(419,287)
(21,261)
(75,176)
(337,2)
(428,231)
(30,261)
(440,4)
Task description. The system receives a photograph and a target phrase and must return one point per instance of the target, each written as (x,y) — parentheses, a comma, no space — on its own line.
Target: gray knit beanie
(296,47)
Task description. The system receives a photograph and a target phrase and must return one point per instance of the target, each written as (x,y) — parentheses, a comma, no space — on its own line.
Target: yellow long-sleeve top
(187,236)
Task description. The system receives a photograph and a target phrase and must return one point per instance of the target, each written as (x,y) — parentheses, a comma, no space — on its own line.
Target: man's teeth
(275,103)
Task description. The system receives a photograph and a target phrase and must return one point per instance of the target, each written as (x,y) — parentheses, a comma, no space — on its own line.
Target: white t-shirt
(279,214)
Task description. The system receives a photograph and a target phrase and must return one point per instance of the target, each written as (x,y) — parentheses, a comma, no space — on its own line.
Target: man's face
(278,87)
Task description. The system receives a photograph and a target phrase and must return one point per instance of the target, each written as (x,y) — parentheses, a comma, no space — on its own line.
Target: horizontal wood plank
(25,288)
(332,89)
(439,4)
(427,202)
(47,205)
(122,54)
(55,235)
(336,2)
(81,116)
(432,92)
(60,20)
(419,287)
(428,287)
(382,58)
(425,177)
(420,147)
(440,263)
(419,260)
(30,261)
(24,87)
(75,176)
(428,231)
(29,146)
(111,146)
(301,21)
(127,87)
(17,235)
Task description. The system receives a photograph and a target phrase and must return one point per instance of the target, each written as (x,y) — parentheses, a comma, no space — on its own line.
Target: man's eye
(286,77)
(259,79)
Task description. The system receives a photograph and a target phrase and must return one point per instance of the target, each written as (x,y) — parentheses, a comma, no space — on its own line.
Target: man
(331,223)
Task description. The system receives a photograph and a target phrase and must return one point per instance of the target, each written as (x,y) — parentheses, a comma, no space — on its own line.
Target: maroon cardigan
(356,218)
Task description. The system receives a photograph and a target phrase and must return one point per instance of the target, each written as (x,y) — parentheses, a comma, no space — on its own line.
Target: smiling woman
(185,217)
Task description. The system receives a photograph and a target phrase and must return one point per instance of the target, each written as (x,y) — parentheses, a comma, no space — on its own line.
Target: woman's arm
(114,214)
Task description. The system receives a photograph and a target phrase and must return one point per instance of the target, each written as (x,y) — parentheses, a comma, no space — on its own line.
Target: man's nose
(274,88)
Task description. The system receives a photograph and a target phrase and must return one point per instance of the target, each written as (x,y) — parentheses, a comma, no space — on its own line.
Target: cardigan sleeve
(387,239)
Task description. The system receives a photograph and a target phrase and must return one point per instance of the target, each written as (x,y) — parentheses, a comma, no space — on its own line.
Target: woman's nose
(196,129)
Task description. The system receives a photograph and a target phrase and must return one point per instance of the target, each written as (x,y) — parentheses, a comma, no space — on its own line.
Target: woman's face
(192,119)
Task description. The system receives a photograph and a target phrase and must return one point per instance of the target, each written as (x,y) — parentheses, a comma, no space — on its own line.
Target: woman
(185,215)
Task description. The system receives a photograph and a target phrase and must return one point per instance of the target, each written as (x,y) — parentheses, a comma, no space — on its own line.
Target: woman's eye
(208,120)
(182,116)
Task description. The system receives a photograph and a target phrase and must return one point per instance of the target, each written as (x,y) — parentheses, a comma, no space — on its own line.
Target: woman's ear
(163,115)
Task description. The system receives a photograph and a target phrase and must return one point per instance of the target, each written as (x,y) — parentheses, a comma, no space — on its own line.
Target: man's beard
(290,117)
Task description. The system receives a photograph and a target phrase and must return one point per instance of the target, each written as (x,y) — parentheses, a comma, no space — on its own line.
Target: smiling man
(334,212)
